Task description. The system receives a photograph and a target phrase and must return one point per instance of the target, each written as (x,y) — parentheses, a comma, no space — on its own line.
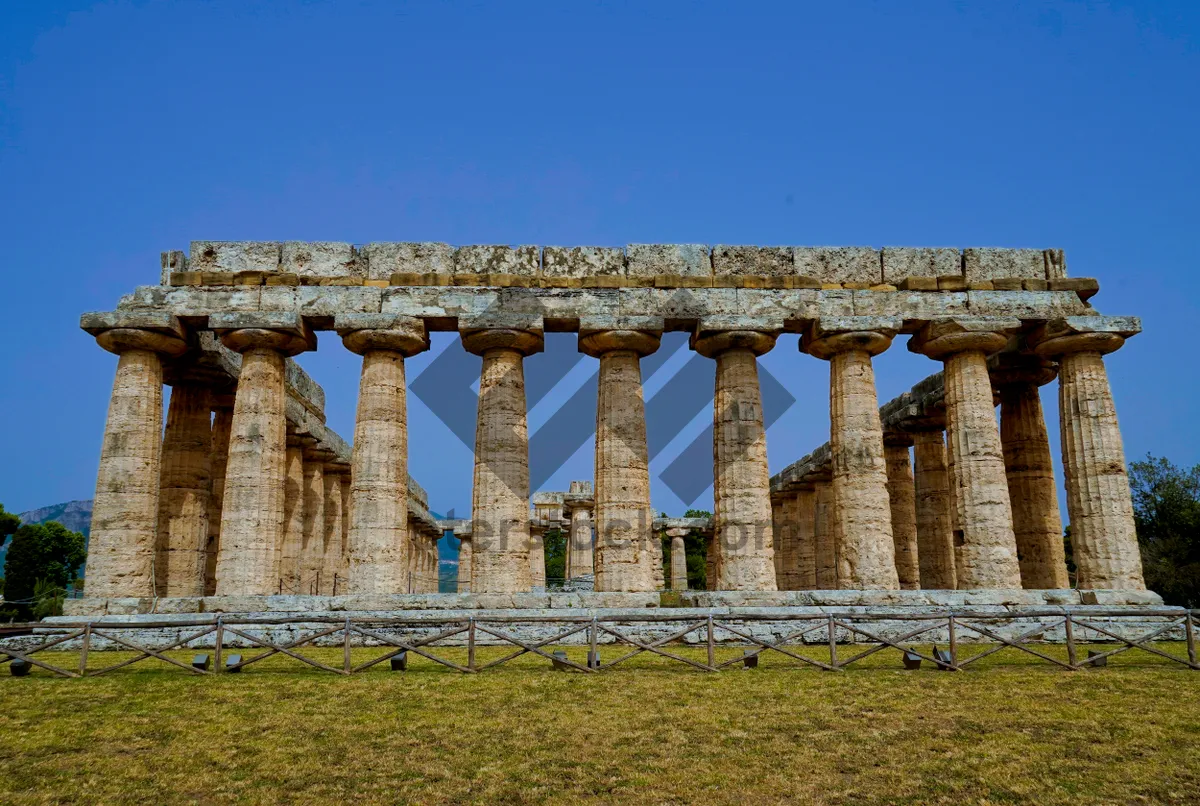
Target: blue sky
(127,128)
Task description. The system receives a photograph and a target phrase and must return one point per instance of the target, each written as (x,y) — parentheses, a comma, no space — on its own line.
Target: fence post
(593,637)
(712,660)
(83,650)
(833,661)
(220,645)
(471,644)
(1189,628)
(1070,630)
(346,646)
(952,636)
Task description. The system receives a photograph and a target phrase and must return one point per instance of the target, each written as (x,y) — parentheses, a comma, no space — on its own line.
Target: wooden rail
(703,627)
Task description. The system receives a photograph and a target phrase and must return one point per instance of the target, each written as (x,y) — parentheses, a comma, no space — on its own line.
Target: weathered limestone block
(125,513)
(312,552)
(465,551)
(823,537)
(234,256)
(580,554)
(862,513)
(170,263)
(805,508)
(1098,498)
(996,264)
(935,531)
(292,545)
(984,543)
(625,541)
(519,260)
(779,532)
(386,259)
(221,425)
(582,261)
(681,259)
(332,566)
(757,261)
(902,262)
(741,483)
(500,498)
(678,560)
(185,481)
(320,259)
(902,495)
(537,557)
(839,264)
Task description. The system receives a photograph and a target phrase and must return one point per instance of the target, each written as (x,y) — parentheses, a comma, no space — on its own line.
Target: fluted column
(184,485)
(741,483)
(985,547)
(125,511)
(221,424)
(377,539)
(678,559)
(625,541)
(312,551)
(935,538)
(825,544)
(779,537)
(537,557)
(1099,504)
(1030,470)
(292,545)
(465,551)
(579,554)
(862,512)
(252,517)
(332,565)
(902,496)
(806,538)
(787,543)
(500,497)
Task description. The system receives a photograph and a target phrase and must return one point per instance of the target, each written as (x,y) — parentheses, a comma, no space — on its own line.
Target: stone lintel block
(752,261)
(677,259)
(839,264)
(1125,326)
(301,384)
(501,320)
(970,324)
(345,323)
(283,321)
(598,324)
(199,302)
(327,301)
(903,262)
(726,322)
(521,261)
(834,325)
(235,256)
(97,322)
(583,261)
(1024,304)
(320,259)
(386,259)
(993,264)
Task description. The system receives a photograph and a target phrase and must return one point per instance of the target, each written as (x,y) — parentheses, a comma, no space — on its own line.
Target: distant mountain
(75,515)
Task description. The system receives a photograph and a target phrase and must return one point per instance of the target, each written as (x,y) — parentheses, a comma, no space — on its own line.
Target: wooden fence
(499,630)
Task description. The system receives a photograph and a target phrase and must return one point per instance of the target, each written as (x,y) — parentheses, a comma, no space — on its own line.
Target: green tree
(40,552)
(554,544)
(1166,510)
(9,523)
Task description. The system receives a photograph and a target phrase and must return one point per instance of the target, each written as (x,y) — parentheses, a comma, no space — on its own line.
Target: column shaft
(935,537)
(825,554)
(580,553)
(1099,504)
(464,564)
(222,422)
(184,484)
(902,496)
(537,561)
(1031,488)
(332,566)
(292,545)
(806,539)
(312,552)
(678,564)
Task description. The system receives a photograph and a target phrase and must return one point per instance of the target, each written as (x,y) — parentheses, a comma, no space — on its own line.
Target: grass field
(1015,730)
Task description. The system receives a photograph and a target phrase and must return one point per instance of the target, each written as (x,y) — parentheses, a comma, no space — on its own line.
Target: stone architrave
(121,549)
(935,531)
(465,550)
(292,545)
(332,566)
(221,424)
(1030,470)
(1099,503)
(902,495)
(741,483)
(377,539)
(537,557)
(862,511)
(985,546)
(252,516)
(678,559)
(825,544)
(500,497)
(184,488)
(806,538)
(625,542)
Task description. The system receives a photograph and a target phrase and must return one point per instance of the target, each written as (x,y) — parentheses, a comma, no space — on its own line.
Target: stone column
(741,483)
(805,507)
(125,512)
(500,498)
(292,545)
(779,537)
(625,540)
(253,511)
(935,538)
(378,518)
(825,553)
(1030,470)
(537,556)
(185,479)
(660,571)
(222,422)
(312,551)
(786,543)
(580,539)
(332,566)
(985,547)
(464,562)
(862,512)
(678,559)
(1099,503)
(711,561)
(345,496)
(902,496)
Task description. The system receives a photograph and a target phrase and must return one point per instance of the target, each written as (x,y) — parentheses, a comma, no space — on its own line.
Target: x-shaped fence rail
(707,630)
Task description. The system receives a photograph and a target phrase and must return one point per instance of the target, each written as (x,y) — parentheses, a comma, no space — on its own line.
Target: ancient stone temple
(246,493)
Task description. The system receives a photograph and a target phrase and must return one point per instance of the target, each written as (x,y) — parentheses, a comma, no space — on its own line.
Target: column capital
(489,331)
(828,336)
(1078,334)
(361,332)
(942,338)
(710,339)
(284,332)
(1012,368)
(641,334)
(155,331)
